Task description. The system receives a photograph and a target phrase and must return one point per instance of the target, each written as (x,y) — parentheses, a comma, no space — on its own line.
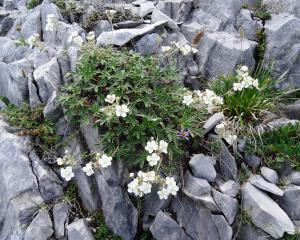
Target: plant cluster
(278,145)
(32,123)
(71,9)
(33,3)
(246,96)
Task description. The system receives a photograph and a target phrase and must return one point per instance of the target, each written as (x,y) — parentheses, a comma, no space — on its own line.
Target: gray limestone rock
(176,9)
(203,167)
(290,202)
(265,212)
(79,230)
(260,182)
(213,121)
(230,188)
(149,44)
(224,229)
(269,174)
(158,16)
(60,219)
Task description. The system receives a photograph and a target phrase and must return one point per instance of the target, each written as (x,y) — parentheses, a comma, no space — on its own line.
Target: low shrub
(131,99)
(33,3)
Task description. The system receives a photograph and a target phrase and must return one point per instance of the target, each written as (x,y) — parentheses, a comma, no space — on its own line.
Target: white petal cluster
(90,36)
(88,169)
(67,173)
(52,22)
(155,149)
(103,160)
(33,40)
(144,181)
(122,110)
(245,80)
(185,49)
(225,131)
(110,98)
(207,99)
(75,38)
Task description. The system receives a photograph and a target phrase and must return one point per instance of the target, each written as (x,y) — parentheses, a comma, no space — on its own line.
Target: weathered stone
(293,178)
(290,202)
(152,205)
(226,160)
(120,214)
(49,185)
(230,188)
(157,16)
(13,81)
(293,110)
(122,36)
(42,56)
(250,232)
(228,205)
(149,44)
(146,8)
(247,26)
(10,51)
(40,228)
(79,230)
(203,167)
(269,174)
(252,160)
(260,182)
(53,110)
(265,212)
(196,220)
(60,219)
(283,6)
(213,121)
(195,186)
(283,47)
(34,99)
(176,9)
(48,79)
(91,136)
(220,52)
(207,20)
(164,228)
(2,105)
(224,229)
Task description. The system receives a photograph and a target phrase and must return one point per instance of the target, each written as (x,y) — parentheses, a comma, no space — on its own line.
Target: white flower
(131,175)
(255,83)
(230,138)
(110,98)
(133,187)
(238,86)
(153,159)
(198,93)
(105,161)
(51,23)
(244,68)
(170,181)
(145,187)
(110,12)
(188,100)
(165,48)
(149,176)
(122,110)
(173,189)
(194,50)
(163,193)
(67,173)
(151,146)
(90,36)
(88,169)
(163,146)
(33,40)
(60,161)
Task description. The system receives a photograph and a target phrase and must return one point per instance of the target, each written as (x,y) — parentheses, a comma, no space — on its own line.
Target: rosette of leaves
(153,94)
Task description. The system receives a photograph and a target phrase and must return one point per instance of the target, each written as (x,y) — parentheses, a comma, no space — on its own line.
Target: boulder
(60,219)
(290,201)
(225,159)
(149,44)
(79,230)
(195,219)
(208,21)
(213,121)
(260,182)
(120,214)
(10,51)
(203,167)
(122,36)
(220,52)
(230,188)
(224,229)
(48,79)
(228,205)
(269,174)
(265,212)
(166,228)
(283,47)
(40,228)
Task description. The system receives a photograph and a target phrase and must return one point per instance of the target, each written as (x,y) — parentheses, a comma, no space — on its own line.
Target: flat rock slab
(290,202)
(260,182)
(79,230)
(122,36)
(265,212)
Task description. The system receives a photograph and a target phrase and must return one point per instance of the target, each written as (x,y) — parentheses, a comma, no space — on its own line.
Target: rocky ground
(212,199)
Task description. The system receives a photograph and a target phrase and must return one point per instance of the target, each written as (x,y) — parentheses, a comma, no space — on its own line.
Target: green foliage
(71,9)
(153,93)
(32,123)
(279,145)
(245,218)
(102,231)
(291,237)
(33,3)
(261,47)
(261,11)
(70,194)
(248,103)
